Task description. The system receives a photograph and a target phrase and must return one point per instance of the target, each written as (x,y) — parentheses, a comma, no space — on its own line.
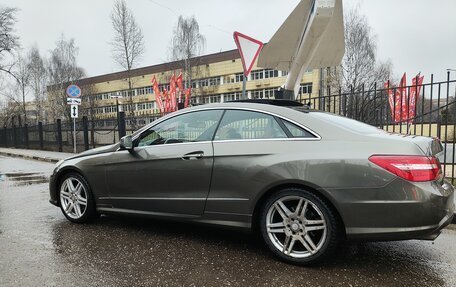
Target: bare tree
(63,71)
(361,72)
(38,81)
(89,104)
(10,106)
(127,45)
(9,42)
(187,43)
(21,73)
(360,66)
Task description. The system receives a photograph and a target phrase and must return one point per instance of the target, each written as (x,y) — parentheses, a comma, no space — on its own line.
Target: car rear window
(297,132)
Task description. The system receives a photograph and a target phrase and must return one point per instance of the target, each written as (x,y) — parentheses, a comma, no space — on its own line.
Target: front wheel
(299,227)
(76,199)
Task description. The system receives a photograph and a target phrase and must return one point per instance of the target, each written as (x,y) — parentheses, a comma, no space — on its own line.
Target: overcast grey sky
(416,35)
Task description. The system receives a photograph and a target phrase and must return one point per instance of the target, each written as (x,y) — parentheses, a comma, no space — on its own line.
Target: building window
(239,77)
(140,91)
(203,83)
(258,94)
(306,88)
(232,96)
(215,99)
(271,74)
(258,75)
(269,93)
(215,81)
(229,80)
(162,87)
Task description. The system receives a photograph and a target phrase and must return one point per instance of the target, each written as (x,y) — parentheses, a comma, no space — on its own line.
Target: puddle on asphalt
(24,178)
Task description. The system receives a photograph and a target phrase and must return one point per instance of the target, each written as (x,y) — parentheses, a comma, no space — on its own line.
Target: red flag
(397,97)
(158,96)
(188,93)
(167,101)
(155,86)
(172,93)
(180,87)
(417,83)
(391,97)
(159,101)
(403,99)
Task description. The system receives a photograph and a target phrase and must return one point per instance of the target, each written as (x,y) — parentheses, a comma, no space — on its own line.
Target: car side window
(297,132)
(237,124)
(191,127)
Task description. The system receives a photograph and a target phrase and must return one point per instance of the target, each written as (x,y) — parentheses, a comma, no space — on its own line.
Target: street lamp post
(117,96)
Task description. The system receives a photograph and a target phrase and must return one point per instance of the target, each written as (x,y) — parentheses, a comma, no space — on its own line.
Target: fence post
(26,136)
(13,129)
(59,135)
(40,134)
(3,143)
(122,127)
(6,136)
(85,128)
(92,132)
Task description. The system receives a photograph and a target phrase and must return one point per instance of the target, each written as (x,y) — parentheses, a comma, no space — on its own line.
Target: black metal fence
(434,115)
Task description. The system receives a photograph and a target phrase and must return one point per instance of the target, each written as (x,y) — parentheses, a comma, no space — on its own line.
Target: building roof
(201,60)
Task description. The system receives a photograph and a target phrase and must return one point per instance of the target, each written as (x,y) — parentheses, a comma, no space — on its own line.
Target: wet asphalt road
(39,247)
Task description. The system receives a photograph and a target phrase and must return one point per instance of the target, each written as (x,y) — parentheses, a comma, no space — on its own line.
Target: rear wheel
(299,227)
(76,199)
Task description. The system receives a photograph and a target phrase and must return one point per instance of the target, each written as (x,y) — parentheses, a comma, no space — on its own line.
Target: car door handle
(193,155)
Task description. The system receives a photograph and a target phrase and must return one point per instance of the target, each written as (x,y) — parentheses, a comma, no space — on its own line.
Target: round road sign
(73,91)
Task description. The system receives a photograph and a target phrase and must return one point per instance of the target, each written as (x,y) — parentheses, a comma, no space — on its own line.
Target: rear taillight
(412,168)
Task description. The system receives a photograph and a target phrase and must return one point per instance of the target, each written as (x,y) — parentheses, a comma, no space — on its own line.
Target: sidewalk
(41,155)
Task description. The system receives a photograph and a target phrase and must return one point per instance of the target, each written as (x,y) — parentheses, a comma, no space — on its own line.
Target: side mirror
(126,143)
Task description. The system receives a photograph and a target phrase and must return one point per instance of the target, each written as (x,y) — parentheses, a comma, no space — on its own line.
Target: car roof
(277,107)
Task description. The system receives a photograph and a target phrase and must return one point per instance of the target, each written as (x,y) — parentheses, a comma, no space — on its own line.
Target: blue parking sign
(73,91)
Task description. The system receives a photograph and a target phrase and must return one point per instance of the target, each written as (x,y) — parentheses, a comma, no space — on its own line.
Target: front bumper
(400,210)
(53,191)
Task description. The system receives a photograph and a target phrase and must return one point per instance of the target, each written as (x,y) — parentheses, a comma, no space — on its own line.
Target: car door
(169,170)
(251,150)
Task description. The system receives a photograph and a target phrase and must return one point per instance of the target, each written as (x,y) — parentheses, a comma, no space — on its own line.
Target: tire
(76,200)
(294,236)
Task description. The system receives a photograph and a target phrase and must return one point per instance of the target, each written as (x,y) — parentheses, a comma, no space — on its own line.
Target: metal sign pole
(244,84)
(74,131)
(74,94)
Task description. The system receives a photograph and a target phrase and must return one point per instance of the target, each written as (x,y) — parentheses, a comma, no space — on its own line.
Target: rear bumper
(399,211)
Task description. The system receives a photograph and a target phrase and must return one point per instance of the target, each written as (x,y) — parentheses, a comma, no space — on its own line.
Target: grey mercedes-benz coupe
(304,179)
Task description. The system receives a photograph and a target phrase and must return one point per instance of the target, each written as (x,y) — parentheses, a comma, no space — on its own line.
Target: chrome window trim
(267,140)
(317,136)
(172,144)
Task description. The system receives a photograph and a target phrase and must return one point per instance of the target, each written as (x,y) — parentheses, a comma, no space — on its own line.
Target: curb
(32,157)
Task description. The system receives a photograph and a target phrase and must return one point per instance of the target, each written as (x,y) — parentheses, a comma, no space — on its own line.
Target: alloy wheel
(296,226)
(73,198)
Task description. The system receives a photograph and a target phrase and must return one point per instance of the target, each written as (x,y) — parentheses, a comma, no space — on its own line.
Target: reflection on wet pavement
(39,247)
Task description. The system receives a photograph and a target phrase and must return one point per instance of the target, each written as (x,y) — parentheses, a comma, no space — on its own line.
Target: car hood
(99,150)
